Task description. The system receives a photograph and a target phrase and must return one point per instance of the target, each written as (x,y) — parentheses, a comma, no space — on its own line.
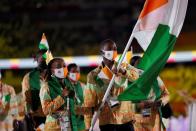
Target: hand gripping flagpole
(97,113)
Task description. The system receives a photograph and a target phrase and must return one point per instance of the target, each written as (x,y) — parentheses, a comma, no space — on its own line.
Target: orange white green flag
(43,45)
(157,29)
(156,12)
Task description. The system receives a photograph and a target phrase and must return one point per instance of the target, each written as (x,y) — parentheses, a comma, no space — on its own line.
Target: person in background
(18,123)
(73,83)
(30,90)
(57,99)
(8,106)
(31,86)
(78,87)
(115,115)
(147,112)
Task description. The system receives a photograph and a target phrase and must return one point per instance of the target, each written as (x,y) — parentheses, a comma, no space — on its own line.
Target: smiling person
(115,115)
(57,99)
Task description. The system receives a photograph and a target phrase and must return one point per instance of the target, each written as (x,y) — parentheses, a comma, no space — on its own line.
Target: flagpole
(97,113)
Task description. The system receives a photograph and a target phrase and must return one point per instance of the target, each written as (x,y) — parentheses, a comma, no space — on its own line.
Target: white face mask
(74,76)
(59,73)
(110,55)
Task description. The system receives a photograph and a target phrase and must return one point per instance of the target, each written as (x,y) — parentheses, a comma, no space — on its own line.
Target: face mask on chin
(74,76)
(110,55)
(60,72)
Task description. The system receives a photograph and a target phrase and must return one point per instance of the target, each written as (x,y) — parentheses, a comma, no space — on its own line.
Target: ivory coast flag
(157,29)
(43,45)
(170,13)
(105,73)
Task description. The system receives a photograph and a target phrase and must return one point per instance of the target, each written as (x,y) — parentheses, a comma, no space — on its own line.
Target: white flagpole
(97,113)
(171,23)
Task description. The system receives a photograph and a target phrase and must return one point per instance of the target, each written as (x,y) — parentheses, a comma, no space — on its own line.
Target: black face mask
(42,66)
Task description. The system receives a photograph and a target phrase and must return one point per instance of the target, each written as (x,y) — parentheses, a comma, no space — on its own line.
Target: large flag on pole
(157,29)
(156,12)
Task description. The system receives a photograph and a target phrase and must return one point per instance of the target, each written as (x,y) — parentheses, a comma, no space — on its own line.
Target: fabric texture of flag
(155,12)
(159,25)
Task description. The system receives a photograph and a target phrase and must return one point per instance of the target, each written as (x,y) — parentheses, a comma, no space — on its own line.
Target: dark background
(75,27)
